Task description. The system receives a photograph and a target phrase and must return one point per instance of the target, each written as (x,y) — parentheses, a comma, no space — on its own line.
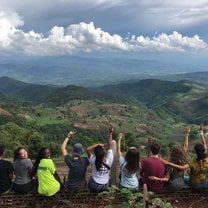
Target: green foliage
(43,115)
(127,198)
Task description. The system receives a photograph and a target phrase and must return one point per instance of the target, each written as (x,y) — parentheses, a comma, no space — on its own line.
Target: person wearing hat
(76,163)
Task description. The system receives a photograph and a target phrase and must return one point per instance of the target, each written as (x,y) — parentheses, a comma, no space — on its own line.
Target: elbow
(89,153)
(118,154)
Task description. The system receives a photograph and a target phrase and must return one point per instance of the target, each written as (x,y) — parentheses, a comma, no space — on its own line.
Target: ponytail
(99,153)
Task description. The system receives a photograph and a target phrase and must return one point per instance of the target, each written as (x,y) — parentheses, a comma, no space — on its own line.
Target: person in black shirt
(76,163)
(6,172)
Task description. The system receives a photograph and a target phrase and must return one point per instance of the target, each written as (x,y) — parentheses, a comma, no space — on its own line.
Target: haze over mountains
(89,70)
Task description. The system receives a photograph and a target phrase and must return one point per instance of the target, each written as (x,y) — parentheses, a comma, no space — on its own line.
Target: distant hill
(150,91)
(12,90)
(199,77)
(98,70)
(9,85)
(25,91)
(185,98)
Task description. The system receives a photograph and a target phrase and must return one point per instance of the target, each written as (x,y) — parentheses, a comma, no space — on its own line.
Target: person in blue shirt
(129,166)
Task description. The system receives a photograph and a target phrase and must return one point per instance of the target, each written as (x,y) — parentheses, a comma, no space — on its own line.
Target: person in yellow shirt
(49,182)
(198,177)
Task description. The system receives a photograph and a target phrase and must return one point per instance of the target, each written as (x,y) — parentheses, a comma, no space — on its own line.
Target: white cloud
(118,15)
(84,37)
(173,42)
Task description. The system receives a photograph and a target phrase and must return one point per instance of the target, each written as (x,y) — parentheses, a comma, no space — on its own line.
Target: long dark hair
(200,151)
(16,153)
(99,153)
(132,160)
(177,155)
(40,156)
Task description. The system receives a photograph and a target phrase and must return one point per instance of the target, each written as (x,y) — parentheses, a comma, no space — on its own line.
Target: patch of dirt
(4,112)
(23,116)
(85,124)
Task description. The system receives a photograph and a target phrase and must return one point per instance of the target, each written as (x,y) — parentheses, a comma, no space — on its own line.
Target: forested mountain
(35,115)
(25,91)
(185,98)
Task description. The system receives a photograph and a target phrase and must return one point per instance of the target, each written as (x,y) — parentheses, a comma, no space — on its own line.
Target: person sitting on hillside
(129,166)
(77,165)
(49,182)
(174,176)
(198,177)
(22,170)
(101,165)
(153,166)
(6,172)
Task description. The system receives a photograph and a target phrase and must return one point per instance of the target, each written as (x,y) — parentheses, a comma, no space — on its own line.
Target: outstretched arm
(203,141)
(186,141)
(110,136)
(64,144)
(120,136)
(180,167)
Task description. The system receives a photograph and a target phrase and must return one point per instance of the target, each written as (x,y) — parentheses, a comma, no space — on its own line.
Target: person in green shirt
(49,182)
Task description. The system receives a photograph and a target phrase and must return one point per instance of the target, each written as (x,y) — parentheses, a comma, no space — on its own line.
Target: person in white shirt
(101,165)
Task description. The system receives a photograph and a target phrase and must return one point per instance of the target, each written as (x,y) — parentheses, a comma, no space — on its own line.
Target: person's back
(47,184)
(153,166)
(77,165)
(77,172)
(101,164)
(176,176)
(5,178)
(21,168)
(6,171)
(129,166)
(199,167)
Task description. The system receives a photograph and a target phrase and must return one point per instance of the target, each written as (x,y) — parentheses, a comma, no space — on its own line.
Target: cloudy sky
(66,27)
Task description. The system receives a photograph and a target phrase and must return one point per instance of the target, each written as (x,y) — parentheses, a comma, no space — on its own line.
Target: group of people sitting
(154,171)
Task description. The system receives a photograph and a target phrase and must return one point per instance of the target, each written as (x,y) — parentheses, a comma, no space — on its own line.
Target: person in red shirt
(153,166)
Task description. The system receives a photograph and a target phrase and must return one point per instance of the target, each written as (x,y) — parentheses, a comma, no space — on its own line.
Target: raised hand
(120,136)
(187,131)
(71,134)
(111,129)
(201,127)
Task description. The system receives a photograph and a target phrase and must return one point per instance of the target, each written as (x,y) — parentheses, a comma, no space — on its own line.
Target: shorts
(96,187)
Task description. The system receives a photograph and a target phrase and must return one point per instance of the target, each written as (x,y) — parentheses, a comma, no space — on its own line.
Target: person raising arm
(129,166)
(76,180)
(101,164)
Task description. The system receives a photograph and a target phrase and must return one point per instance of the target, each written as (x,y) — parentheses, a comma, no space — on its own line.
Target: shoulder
(67,157)
(121,160)
(7,162)
(91,158)
(47,161)
(109,152)
(27,160)
(85,159)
